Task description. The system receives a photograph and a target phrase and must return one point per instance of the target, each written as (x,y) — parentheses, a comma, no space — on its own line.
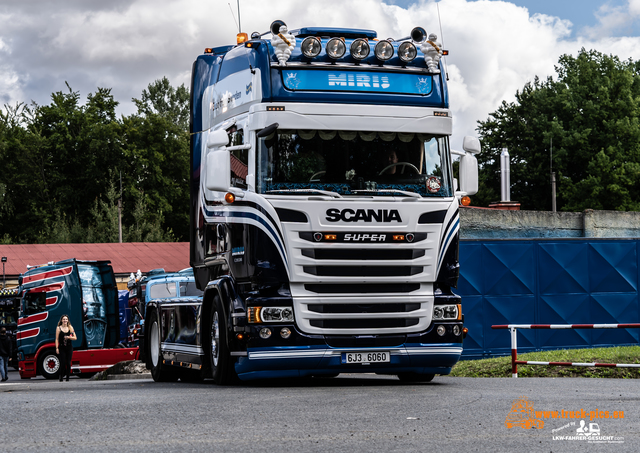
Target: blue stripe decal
(248,215)
(447,241)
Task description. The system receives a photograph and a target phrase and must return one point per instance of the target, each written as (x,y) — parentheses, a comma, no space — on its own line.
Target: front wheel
(415,377)
(159,371)
(222,366)
(49,364)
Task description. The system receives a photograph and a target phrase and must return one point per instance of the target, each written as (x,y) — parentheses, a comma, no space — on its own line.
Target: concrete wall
(501,224)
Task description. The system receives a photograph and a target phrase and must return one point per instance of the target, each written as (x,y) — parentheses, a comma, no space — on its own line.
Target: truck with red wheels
(86,292)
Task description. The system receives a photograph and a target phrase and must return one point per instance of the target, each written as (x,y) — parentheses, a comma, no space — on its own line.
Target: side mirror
(218,138)
(471,144)
(218,170)
(469,174)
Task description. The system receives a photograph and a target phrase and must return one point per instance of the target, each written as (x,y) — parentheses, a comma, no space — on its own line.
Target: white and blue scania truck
(324,212)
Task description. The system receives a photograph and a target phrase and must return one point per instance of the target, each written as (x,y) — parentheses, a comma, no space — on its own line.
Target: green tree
(157,149)
(590,113)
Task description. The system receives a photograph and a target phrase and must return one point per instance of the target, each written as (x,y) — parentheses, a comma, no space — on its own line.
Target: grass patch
(501,366)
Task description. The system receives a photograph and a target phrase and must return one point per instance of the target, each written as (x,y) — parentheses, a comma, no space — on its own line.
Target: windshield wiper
(403,192)
(323,192)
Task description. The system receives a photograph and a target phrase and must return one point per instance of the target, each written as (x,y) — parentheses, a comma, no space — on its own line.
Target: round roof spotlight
(407,51)
(311,47)
(336,48)
(360,49)
(256,35)
(383,50)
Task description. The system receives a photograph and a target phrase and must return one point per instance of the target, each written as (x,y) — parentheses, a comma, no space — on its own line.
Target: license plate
(366,357)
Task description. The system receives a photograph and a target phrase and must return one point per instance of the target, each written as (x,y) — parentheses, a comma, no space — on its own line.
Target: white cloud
(496,47)
(613,20)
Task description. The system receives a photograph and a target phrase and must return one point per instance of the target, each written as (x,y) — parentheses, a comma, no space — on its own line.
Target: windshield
(354,163)
(164,290)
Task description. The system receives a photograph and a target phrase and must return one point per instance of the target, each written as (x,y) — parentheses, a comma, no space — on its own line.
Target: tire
(159,371)
(49,364)
(222,366)
(415,377)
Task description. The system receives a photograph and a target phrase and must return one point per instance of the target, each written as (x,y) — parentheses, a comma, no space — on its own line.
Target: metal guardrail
(514,344)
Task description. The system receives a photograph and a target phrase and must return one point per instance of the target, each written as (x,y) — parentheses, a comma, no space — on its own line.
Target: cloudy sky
(495,46)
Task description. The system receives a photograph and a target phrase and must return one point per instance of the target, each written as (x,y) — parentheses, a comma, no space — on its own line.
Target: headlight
(311,47)
(447,312)
(384,50)
(407,52)
(336,48)
(269,314)
(360,49)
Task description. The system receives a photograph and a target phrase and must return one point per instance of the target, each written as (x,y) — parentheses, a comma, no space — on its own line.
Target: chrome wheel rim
(155,344)
(215,340)
(51,364)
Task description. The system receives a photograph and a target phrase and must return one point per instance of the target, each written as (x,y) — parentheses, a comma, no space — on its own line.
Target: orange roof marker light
(242,38)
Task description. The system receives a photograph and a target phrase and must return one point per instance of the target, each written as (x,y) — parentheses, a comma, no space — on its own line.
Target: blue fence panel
(548,281)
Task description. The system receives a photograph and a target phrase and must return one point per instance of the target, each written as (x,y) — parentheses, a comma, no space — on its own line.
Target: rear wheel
(415,377)
(159,371)
(222,366)
(49,364)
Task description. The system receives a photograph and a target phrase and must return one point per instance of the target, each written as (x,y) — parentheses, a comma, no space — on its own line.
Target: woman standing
(64,336)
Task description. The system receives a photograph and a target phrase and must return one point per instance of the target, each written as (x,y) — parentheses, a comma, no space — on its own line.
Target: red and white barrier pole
(514,344)
(514,352)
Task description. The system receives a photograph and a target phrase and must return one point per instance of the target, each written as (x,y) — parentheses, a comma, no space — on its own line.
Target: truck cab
(86,292)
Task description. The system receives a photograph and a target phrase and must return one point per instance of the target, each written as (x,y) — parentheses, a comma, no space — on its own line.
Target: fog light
(456,330)
(441,331)
(265,333)
(286,332)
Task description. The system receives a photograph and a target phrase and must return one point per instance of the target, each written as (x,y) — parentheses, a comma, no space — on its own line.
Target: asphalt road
(350,413)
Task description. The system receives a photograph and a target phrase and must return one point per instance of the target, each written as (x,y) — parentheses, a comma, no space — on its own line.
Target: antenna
(239,27)
(234,17)
(444,60)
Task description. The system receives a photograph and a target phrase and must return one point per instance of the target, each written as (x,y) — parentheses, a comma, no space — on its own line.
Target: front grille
(380,288)
(376,323)
(363,308)
(363,254)
(362,271)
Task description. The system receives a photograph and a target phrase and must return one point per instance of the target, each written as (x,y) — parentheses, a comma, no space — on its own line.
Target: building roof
(125,258)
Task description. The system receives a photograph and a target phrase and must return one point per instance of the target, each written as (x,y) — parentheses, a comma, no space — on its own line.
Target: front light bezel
(266,314)
(401,48)
(356,56)
(311,39)
(342,45)
(447,312)
(380,45)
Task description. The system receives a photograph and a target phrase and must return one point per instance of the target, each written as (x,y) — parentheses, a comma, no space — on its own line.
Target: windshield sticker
(433,184)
